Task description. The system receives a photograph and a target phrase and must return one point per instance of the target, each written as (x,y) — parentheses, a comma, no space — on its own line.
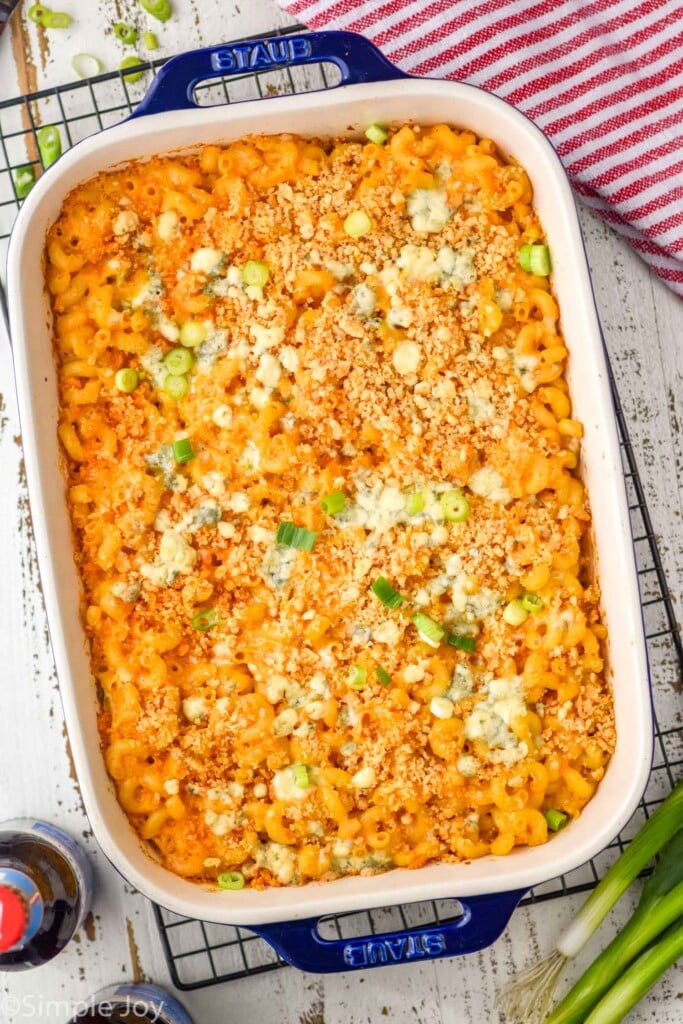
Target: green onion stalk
(527,997)
(640,977)
(661,903)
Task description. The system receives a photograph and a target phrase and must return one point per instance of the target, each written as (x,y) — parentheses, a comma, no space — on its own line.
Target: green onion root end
(527,996)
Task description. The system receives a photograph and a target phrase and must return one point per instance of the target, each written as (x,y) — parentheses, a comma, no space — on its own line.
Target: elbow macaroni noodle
(262,710)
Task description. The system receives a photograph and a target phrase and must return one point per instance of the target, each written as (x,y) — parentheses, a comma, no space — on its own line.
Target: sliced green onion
(159,9)
(205,620)
(515,613)
(255,274)
(231,880)
(56,19)
(377,134)
(301,775)
(454,505)
(150,41)
(357,224)
(556,820)
(389,597)
(535,259)
(463,643)
(532,602)
(127,379)
(524,257)
(131,62)
(382,675)
(85,65)
(358,677)
(415,503)
(178,361)
(176,387)
(289,535)
(540,260)
(49,144)
(183,450)
(24,179)
(533,988)
(126,33)
(192,334)
(333,503)
(430,631)
(37,13)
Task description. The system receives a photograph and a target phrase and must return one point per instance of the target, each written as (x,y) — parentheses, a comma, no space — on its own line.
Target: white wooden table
(643,324)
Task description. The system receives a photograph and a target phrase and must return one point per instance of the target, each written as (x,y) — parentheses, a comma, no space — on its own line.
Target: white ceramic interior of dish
(345,110)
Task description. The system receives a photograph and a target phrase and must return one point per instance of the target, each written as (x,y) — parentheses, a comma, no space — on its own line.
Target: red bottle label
(13,918)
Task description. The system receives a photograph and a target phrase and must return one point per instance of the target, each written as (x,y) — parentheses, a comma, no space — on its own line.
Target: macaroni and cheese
(322,474)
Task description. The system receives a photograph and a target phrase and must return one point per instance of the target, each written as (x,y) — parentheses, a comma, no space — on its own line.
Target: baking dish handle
(482,921)
(356,57)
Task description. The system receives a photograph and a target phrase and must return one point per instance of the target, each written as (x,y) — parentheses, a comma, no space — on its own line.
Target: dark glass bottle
(130,1004)
(45,892)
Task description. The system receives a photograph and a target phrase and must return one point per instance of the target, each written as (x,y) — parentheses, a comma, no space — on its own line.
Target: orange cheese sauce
(346,319)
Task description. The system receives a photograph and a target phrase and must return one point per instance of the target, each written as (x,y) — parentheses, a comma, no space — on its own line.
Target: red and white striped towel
(602,78)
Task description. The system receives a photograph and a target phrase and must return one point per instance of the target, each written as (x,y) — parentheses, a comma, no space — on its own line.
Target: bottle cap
(13,918)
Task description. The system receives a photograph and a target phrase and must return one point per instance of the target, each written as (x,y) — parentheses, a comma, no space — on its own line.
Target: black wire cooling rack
(201,954)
